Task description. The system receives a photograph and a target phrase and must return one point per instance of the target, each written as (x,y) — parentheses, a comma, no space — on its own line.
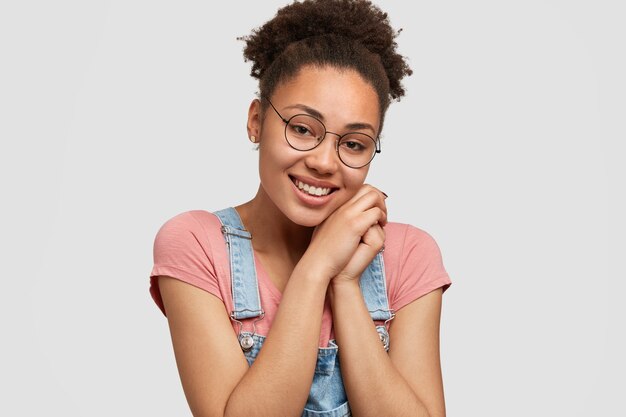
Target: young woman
(305,300)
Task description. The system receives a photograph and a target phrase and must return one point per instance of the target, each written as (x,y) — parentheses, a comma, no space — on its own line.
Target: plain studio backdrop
(117,115)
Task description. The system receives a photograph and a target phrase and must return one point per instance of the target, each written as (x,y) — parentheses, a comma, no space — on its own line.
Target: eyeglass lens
(305,132)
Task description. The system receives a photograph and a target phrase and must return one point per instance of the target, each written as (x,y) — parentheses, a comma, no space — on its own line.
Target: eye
(305,127)
(305,131)
(357,144)
(300,130)
(353,146)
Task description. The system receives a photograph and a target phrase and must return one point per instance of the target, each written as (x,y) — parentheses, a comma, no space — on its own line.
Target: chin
(304,218)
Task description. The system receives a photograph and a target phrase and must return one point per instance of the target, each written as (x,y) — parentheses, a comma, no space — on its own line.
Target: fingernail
(385,194)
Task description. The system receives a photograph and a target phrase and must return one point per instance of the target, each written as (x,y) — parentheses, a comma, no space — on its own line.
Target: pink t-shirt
(190,247)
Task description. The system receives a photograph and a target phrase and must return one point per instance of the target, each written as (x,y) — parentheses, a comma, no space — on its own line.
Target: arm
(213,369)
(408,379)
(278,382)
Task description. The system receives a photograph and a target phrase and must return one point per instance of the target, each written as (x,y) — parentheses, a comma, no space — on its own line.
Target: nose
(324,158)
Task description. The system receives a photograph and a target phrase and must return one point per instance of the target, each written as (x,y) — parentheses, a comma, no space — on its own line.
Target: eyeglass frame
(339,137)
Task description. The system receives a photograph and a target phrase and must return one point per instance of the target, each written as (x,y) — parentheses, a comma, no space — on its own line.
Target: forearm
(279,381)
(365,366)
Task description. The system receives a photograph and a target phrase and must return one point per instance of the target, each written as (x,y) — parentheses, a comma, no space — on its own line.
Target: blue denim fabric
(327,397)
(245,289)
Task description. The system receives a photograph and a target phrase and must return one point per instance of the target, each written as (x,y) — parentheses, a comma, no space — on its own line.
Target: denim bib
(327,397)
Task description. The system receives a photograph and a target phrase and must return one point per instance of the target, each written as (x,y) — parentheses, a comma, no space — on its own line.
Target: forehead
(341,95)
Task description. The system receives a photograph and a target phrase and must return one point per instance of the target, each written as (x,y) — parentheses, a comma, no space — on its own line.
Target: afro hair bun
(355,20)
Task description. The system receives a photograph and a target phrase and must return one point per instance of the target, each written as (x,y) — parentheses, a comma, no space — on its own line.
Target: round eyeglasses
(304,132)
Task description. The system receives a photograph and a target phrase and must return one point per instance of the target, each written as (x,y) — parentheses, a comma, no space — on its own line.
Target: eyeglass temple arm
(279,115)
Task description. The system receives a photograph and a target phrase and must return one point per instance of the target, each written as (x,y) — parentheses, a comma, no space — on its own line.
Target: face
(344,102)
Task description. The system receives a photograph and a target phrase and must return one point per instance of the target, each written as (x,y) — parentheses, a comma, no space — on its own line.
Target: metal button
(246,342)
(384,338)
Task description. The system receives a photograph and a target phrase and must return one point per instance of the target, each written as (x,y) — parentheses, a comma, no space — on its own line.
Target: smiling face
(344,102)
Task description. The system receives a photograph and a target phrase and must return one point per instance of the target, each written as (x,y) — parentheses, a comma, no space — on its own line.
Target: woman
(261,298)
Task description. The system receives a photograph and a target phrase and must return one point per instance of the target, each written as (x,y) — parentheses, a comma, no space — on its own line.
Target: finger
(379,214)
(367,200)
(375,236)
(372,188)
(372,242)
(366,188)
(363,190)
(370,218)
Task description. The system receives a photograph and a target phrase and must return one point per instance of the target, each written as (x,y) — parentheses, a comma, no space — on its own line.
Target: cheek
(354,179)
(274,162)
(274,156)
(352,184)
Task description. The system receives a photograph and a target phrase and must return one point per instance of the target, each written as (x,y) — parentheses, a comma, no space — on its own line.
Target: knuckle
(373,192)
(354,223)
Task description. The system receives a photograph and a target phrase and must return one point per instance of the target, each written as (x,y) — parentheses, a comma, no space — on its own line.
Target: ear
(254,120)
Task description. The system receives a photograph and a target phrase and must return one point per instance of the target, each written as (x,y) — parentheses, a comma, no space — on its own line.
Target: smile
(310,189)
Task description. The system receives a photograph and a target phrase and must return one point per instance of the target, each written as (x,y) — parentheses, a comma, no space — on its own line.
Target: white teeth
(317,191)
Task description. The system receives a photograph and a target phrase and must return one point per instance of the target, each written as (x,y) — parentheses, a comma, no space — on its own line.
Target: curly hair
(343,33)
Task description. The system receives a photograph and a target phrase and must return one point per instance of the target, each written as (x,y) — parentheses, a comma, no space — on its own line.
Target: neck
(272,232)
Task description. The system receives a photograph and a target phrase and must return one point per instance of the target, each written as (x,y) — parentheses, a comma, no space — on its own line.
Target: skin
(312,253)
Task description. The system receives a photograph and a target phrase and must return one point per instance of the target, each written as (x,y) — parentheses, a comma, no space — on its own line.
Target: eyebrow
(311,111)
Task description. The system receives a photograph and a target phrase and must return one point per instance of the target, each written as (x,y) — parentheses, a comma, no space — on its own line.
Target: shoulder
(413,262)
(189,247)
(402,237)
(190,221)
(190,234)
(188,226)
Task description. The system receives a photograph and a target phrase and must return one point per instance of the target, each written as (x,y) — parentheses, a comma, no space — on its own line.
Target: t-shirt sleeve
(182,250)
(421,268)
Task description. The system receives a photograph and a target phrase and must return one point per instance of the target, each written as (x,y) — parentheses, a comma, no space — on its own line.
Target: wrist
(312,270)
(342,289)
(344,284)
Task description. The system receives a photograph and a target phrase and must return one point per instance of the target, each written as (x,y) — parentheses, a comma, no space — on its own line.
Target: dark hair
(342,33)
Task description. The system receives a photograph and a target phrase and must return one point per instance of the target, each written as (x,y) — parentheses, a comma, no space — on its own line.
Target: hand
(347,241)
(371,243)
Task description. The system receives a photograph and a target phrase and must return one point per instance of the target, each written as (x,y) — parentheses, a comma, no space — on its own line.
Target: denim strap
(374,290)
(245,288)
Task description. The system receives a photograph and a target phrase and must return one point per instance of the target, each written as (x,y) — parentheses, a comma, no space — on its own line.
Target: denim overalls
(327,397)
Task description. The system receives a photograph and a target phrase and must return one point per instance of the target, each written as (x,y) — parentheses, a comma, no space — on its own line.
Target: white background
(117,115)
